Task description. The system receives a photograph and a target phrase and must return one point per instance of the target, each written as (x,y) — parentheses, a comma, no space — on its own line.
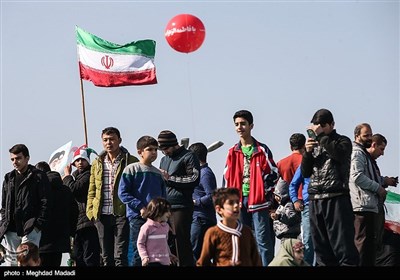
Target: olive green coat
(95,194)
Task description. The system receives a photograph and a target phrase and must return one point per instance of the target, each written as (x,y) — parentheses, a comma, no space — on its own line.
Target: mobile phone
(311,134)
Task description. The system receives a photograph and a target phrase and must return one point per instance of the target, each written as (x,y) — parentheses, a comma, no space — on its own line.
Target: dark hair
(245,115)
(322,116)
(297,141)
(19,148)
(357,130)
(222,194)
(156,208)
(111,130)
(379,139)
(57,155)
(200,150)
(146,141)
(43,166)
(27,251)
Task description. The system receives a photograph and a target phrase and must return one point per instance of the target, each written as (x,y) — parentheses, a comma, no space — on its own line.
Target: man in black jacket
(26,202)
(181,170)
(327,163)
(55,238)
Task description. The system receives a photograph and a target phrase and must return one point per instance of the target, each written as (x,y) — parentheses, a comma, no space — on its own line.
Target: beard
(367,144)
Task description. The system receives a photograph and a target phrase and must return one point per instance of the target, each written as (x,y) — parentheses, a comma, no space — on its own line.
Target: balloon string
(191,98)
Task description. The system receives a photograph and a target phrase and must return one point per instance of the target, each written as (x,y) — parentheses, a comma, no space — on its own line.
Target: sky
(282,60)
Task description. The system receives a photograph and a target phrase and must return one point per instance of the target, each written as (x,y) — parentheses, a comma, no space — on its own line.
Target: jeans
(306,235)
(135,224)
(263,230)
(197,231)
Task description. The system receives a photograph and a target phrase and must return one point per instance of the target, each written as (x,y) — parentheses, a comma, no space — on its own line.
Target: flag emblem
(108,64)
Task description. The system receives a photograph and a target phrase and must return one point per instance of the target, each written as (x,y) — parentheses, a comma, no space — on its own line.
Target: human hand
(310,144)
(298,205)
(382,194)
(67,170)
(275,216)
(165,174)
(391,181)
(317,128)
(142,211)
(145,261)
(174,259)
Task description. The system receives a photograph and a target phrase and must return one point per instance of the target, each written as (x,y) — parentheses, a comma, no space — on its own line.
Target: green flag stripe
(392,197)
(92,42)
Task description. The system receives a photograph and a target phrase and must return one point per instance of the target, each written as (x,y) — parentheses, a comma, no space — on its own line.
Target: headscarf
(285,255)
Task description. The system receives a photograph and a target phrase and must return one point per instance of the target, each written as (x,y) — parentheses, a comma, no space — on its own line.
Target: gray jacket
(363,182)
(289,221)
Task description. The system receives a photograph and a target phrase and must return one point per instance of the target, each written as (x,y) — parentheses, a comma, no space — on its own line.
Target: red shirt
(288,166)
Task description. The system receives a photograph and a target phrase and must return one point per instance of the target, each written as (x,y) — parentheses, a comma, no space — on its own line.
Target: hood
(54,179)
(282,190)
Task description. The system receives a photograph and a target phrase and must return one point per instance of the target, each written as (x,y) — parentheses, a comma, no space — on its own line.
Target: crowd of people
(324,203)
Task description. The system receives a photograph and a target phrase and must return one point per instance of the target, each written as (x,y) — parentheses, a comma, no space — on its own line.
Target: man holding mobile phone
(331,213)
(376,150)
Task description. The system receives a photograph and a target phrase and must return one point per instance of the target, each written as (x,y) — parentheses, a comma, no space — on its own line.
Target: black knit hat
(167,139)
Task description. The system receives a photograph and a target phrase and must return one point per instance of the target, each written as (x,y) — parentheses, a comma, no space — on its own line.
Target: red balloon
(185,33)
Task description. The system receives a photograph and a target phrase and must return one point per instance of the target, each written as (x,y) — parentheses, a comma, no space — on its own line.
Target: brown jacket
(217,248)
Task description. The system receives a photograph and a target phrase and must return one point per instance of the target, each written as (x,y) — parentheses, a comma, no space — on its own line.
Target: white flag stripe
(157,236)
(393,212)
(121,63)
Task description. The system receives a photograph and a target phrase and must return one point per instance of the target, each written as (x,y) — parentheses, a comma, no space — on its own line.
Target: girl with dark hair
(152,242)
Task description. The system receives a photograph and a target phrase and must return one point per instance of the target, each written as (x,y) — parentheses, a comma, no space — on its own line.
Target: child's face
(231,208)
(148,154)
(81,163)
(298,256)
(242,127)
(165,217)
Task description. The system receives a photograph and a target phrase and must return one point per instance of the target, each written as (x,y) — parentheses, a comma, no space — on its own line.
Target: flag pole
(84,114)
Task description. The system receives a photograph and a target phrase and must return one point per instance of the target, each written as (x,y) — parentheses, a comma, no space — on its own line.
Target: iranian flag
(108,64)
(392,215)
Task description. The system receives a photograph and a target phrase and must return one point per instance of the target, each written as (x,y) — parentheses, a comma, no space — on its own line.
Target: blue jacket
(202,195)
(297,180)
(138,185)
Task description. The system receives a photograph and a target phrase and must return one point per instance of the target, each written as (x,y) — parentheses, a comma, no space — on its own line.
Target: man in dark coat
(56,236)
(26,203)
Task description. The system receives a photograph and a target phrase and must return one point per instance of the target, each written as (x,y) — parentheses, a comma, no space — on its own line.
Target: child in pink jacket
(152,241)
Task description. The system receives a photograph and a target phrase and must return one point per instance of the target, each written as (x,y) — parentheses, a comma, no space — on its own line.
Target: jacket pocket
(368,200)
(29,225)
